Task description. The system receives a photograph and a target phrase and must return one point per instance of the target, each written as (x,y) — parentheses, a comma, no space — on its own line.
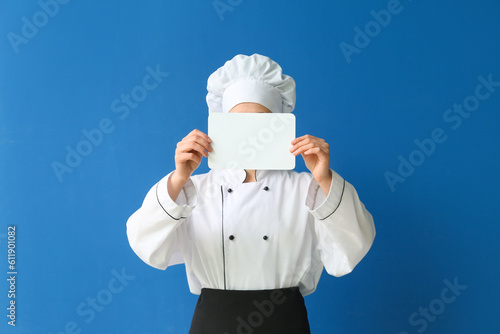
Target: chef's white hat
(253,78)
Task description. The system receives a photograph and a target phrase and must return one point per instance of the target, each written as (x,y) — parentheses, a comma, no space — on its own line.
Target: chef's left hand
(316,154)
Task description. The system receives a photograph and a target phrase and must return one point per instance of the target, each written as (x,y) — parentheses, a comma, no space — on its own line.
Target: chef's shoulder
(203,179)
(291,177)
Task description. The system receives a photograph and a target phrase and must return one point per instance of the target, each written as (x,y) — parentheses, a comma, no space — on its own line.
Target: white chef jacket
(277,232)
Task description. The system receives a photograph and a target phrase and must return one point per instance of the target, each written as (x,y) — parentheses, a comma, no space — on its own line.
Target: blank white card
(251,141)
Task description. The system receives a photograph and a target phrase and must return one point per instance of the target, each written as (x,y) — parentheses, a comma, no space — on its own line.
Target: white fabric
(255,78)
(251,91)
(305,230)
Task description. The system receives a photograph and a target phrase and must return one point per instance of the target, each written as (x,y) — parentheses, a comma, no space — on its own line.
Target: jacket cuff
(185,203)
(321,206)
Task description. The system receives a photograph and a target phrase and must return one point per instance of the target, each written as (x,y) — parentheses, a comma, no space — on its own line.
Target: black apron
(250,312)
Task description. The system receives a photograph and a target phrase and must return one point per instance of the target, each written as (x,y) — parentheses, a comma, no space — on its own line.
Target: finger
(321,152)
(316,142)
(189,156)
(298,139)
(302,148)
(300,142)
(194,141)
(305,142)
(201,140)
(192,146)
(315,150)
(200,134)
(306,137)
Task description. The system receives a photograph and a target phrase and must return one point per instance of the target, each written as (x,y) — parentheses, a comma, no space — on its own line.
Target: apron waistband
(250,312)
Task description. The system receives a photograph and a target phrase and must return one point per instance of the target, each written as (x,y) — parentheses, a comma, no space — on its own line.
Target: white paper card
(251,141)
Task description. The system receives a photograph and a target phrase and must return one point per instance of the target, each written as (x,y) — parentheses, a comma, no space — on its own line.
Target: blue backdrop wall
(95,95)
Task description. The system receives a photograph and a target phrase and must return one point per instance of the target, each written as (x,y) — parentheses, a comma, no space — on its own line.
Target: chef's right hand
(189,152)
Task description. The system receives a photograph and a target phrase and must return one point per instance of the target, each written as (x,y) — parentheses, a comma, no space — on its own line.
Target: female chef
(253,242)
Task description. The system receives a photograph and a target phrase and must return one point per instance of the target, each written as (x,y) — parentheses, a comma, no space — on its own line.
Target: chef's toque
(253,78)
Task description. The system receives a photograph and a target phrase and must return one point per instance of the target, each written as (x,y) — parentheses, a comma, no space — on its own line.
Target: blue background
(439,225)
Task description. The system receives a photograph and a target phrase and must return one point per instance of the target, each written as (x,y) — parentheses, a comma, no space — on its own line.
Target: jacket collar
(232,176)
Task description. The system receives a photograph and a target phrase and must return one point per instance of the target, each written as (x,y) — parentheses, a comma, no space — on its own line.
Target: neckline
(237,175)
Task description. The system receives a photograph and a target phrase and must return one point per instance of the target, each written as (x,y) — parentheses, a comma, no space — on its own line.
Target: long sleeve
(344,228)
(154,231)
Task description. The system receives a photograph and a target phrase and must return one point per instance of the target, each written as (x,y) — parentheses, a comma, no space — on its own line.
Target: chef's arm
(175,184)
(155,230)
(325,183)
(344,228)
(188,155)
(316,154)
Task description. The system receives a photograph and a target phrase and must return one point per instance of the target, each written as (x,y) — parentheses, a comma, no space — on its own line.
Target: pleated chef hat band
(252,78)
(251,91)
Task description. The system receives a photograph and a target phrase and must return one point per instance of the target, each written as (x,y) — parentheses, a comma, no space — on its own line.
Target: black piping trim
(158,199)
(341,196)
(223,248)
